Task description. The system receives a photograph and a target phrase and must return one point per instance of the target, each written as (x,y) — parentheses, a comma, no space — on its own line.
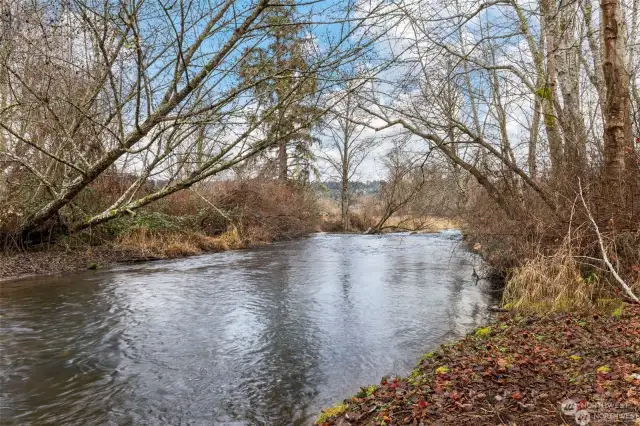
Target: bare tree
(147,89)
(405,179)
(346,146)
(472,86)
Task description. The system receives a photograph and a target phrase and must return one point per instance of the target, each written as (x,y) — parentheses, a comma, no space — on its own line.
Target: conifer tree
(284,86)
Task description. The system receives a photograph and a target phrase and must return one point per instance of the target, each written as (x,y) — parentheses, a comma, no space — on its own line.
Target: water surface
(266,336)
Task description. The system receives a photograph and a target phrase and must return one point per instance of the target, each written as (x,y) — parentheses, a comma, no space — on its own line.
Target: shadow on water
(266,336)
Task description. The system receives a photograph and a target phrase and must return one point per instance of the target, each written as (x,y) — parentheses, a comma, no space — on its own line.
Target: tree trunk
(617,111)
(282,160)
(505,144)
(344,190)
(547,93)
(596,77)
(533,139)
(568,72)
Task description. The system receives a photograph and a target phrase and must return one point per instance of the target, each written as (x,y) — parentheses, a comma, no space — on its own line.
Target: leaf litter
(520,371)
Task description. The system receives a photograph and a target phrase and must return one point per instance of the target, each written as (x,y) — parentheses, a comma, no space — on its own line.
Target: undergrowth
(215,216)
(553,261)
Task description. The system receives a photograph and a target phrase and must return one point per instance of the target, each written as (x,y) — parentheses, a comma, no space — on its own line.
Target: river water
(267,336)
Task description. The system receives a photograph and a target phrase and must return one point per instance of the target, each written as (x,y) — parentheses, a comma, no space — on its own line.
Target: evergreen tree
(285,87)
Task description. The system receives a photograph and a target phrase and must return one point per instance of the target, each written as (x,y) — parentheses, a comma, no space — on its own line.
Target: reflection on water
(266,336)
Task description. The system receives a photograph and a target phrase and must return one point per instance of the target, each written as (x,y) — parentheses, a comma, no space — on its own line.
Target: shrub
(264,211)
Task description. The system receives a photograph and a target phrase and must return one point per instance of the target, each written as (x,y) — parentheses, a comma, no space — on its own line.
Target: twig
(605,258)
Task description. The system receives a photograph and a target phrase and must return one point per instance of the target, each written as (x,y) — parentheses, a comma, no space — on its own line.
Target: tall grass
(553,283)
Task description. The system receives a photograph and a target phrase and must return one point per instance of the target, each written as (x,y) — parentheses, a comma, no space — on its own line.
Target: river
(266,336)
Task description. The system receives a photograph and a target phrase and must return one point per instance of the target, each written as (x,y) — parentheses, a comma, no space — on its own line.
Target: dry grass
(554,283)
(552,260)
(160,245)
(550,266)
(357,223)
(360,223)
(366,213)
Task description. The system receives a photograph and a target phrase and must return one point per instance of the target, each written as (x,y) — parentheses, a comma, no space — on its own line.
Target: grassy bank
(219,217)
(136,245)
(517,371)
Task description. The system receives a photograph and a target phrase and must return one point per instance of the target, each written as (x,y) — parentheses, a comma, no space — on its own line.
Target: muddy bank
(560,369)
(17,265)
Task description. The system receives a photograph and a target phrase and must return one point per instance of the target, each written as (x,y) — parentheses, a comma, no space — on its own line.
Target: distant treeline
(331,188)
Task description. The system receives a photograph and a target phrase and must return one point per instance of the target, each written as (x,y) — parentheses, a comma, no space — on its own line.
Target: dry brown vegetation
(552,261)
(214,217)
(361,215)
(367,211)
(420,223)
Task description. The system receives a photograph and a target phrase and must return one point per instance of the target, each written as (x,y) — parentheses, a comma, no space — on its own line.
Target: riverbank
(157,237)
(145,246)
(225,216)
(518,370)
